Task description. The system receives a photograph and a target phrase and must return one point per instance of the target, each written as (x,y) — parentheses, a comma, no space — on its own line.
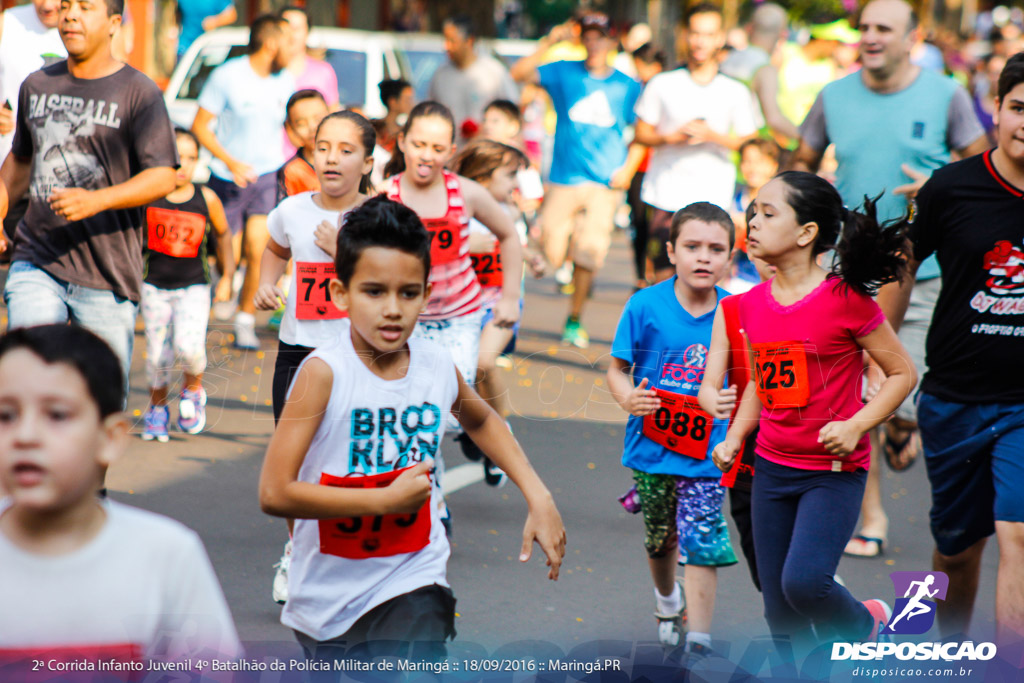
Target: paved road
(571,429)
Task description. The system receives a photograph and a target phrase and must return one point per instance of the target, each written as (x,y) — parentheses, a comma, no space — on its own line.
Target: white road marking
(462,476)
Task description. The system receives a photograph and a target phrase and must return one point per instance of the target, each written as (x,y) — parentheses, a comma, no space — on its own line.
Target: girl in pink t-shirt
(807,329)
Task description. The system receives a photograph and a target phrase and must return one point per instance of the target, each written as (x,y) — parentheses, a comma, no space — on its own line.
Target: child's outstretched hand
(544,525)
(840,437)
(642,401)
(725,453)
(326,237)
(725,403)
(410,489)
(267,298)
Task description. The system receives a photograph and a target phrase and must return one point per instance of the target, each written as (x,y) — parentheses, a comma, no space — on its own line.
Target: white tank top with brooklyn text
(343,568)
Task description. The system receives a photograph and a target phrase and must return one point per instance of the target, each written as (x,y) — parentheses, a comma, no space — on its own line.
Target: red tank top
(455,288)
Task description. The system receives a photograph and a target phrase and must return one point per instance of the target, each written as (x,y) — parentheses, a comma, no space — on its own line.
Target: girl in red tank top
(416,176)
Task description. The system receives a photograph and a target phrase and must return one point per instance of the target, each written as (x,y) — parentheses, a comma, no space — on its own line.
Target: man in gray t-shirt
(93,144)
(469,81)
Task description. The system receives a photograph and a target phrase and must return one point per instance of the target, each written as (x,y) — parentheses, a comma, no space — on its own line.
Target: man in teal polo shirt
(892,124)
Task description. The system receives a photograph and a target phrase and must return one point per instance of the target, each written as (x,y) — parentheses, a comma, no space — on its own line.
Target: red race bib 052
(679,425)
(780,369)
(444,240)
(175,233)
(357,538)
(488,268)
(313,291)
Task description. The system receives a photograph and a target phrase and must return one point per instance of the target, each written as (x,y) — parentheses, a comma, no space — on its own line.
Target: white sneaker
(280,589)
(245,335)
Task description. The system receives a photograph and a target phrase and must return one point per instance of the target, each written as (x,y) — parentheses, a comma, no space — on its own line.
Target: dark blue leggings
(802,521)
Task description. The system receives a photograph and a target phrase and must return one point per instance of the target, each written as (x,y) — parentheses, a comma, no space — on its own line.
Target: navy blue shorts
(241,203)
(975,458)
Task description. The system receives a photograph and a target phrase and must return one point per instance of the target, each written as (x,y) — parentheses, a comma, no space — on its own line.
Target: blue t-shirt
(669,347)
(250,111)
(193,13)
(593,114)
(876,133)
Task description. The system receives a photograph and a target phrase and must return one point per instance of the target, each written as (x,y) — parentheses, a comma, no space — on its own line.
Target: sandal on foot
(897,442)
(862,546)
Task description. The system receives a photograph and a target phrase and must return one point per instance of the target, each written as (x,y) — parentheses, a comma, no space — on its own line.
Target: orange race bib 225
(780,370)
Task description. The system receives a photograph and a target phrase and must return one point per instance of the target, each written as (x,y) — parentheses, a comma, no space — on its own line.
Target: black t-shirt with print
(88,133)
(973,220)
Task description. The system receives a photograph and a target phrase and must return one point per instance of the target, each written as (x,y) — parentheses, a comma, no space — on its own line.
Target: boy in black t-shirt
(971,404)
(93,143)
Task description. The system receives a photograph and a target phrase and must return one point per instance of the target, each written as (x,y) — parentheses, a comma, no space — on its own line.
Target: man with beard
(247,97)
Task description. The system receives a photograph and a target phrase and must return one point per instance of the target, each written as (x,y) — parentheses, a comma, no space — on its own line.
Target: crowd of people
(772,347)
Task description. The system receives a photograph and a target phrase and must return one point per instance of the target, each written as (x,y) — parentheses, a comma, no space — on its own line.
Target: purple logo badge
(916,593)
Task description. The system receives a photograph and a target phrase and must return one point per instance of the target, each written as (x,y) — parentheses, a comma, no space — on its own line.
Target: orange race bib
(780,369)
(679,425)
(175,233)
(313,291)
(444,241)
(488,268)
(358,538)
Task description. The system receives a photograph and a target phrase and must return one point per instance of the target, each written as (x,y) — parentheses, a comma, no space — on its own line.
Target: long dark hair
(869,254)
(426,108)
(367,136)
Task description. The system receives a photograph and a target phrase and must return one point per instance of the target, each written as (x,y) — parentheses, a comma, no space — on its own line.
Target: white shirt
(25,46)
(293,226)
(679,175)
(144,581)
(370,426)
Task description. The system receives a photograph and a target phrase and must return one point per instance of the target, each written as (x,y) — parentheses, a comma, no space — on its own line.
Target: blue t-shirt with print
(593,114)
(250,111)
(669,347)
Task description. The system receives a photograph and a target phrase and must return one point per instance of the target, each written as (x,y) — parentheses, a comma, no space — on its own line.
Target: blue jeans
(34,297)
(802,521)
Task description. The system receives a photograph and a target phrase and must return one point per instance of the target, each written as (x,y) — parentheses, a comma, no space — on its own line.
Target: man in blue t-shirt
(892,124)
(247,97)
(196,17)
(594,104)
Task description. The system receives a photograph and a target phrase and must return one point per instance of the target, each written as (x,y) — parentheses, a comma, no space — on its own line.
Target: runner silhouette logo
(914,612)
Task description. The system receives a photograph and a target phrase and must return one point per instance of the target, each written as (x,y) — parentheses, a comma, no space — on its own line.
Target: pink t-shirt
(319,75)
(808,370)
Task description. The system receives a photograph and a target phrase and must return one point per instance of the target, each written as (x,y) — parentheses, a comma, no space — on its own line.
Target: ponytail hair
(869,254)
(426,108)
(367,136)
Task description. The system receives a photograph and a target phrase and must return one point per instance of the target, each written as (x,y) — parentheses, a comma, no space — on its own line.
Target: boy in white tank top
(353,456)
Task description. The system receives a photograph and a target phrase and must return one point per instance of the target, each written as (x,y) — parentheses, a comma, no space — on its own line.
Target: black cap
(594,20)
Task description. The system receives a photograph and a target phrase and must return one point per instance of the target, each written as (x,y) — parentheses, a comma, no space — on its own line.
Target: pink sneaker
(881,613)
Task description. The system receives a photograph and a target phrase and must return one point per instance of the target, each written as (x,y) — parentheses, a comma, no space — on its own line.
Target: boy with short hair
(91,577)
(503,122)
(305,110)
(658,359)
(352,459)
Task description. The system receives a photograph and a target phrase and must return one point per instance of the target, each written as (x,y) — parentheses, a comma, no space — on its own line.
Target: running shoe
(154,424)
(698,649)
(469,448)
(575,335)
(493,475)
(280,589)
(245,335)
(672,627)
(192,411)
(275,320)
(881,613)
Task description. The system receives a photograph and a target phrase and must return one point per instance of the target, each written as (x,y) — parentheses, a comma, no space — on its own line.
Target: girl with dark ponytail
(806,330)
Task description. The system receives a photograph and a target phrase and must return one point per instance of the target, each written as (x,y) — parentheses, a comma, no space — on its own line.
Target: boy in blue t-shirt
(658,360)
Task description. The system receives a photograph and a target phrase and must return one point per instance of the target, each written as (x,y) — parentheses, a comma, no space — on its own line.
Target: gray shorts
(913,332)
